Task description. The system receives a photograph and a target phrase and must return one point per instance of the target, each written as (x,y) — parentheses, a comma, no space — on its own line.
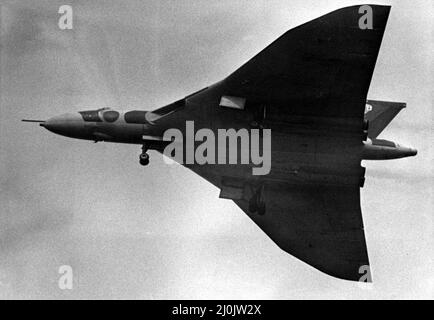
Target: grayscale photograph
(216,150)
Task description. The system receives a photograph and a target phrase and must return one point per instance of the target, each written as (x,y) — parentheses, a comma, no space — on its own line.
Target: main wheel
(257,202)
(144,159)
(261,209)
(253,207)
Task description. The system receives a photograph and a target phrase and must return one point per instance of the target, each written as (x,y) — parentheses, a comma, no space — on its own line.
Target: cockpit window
(135,116)
(91,115)
(110,116)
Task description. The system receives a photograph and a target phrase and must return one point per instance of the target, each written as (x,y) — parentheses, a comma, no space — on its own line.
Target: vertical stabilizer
(380,114)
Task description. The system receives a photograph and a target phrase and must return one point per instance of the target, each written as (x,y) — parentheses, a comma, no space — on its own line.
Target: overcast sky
(161,232)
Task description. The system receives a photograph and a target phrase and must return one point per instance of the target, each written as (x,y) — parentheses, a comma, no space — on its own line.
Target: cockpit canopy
(110,115)
(91,115)
(99,115)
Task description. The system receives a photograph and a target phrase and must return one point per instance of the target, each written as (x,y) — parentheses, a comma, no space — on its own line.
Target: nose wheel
(144,156)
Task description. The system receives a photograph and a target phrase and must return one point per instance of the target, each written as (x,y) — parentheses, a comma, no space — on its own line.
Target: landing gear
(257,202)
(144,156)
(259,117)
(144,159)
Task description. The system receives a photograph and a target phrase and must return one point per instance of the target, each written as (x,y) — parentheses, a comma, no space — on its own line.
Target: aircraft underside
(307,91)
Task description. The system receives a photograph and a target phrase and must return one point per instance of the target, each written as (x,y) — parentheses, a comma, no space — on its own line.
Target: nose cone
(69,124)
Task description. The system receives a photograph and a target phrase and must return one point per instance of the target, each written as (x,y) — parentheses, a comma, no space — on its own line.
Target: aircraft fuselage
(305,153)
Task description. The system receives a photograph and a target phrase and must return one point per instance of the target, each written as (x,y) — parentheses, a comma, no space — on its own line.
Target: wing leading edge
(322,68)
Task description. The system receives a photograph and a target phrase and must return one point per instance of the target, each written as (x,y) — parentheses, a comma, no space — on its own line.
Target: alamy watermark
(365,280)
(222,149)
(65,20)
(366,20)
(66,280)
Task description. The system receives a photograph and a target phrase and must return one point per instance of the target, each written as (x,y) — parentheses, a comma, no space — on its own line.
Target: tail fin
(380,114)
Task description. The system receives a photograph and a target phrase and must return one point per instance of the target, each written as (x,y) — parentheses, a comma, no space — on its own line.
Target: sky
(161,232)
